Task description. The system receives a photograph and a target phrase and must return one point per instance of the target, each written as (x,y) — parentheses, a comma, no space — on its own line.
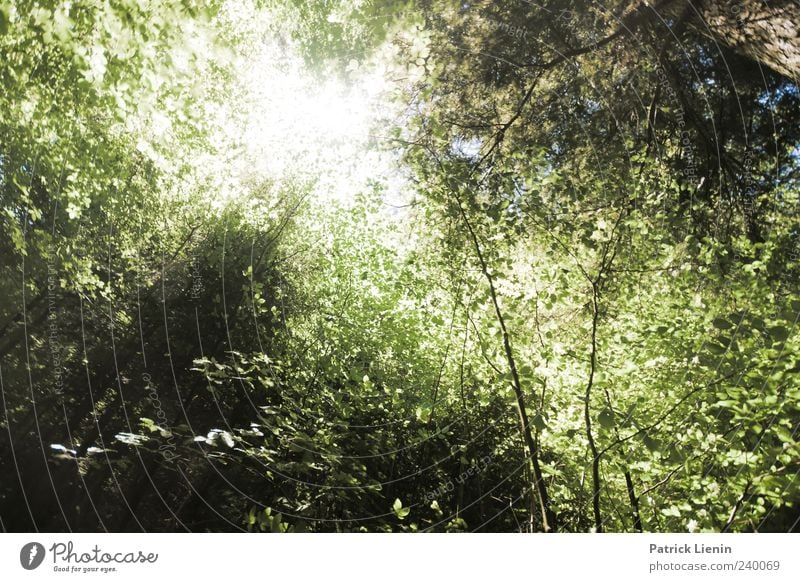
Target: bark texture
(763,30)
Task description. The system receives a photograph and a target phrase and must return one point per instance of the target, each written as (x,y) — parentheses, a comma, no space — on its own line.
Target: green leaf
(400,511)
(652,445)
(721,323)
(676,455)
(606,418)
(671,511)
(784,434)
(779,333)
(551,471)
(423,413)
(3,19)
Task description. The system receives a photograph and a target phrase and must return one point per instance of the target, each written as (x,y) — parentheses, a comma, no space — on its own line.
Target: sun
(286,123)
(298,121)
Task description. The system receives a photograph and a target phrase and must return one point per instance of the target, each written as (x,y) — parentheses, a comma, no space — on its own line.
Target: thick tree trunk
(765,31)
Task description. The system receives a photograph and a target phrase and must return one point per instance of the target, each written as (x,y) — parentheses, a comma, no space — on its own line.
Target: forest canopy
(424,266)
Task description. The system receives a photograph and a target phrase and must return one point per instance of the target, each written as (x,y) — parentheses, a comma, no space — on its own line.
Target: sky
(286,123)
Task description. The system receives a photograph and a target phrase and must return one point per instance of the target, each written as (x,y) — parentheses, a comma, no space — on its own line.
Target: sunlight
(296,124)
(288,124)
(352,266)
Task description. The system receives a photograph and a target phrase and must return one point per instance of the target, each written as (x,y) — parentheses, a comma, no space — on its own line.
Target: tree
(584,318)
(766,33)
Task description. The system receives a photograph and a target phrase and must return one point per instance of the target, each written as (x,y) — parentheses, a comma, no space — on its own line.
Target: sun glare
(287,123)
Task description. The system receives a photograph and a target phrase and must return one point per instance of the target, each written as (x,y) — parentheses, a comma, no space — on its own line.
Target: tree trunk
(547,514)
(766,32)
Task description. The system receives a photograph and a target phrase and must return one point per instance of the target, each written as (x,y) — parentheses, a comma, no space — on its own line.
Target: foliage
(584,320)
